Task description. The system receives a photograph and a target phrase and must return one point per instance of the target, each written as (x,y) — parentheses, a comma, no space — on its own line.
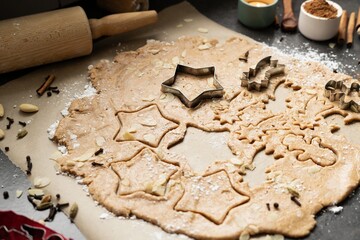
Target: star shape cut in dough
(147,125)
(218,91)
(212,196)
(145,172)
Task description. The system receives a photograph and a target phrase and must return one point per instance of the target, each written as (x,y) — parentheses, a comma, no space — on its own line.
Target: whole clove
(29,165)
(295,200)
(60,206)
(11,121)
(7,149)
(22,123)
(268,206)
(6,194)
(49,94)
(57,91)
(52,88)
(57,196)
(95,164)
(51,215)
(100,151)
(276,206)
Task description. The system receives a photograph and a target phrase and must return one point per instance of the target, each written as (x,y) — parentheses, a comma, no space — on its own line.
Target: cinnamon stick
(350,30)
(357,27)
(342,28)
(49,79)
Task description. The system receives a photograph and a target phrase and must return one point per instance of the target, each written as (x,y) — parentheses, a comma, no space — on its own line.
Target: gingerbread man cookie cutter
(337,91)
(218,92)
(275,69)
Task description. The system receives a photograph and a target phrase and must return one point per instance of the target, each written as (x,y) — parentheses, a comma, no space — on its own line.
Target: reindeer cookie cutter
(218,92)
(275,69)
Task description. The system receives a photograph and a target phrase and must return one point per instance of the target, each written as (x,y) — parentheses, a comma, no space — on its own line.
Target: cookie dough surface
(135,125)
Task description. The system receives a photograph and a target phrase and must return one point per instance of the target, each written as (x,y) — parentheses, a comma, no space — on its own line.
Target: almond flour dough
(136,125)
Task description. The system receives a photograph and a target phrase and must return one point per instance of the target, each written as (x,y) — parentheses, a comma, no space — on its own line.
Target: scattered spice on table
(57,91)
(22,123)
(95,164)
(29,165)
(321,8)
(48,81)
(11,121)
(73,211)
(295,200)
(98,152)
(51,215)
(6,194)
(22,133)
(60,206)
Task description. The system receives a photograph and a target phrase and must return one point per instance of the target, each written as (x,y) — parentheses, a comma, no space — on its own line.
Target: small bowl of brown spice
(319,19)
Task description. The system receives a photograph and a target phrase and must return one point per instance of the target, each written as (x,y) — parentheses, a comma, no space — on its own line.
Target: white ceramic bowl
(318,28)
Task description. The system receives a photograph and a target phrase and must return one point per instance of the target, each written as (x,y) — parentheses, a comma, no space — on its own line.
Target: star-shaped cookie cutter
(275,69)
(337,91)
(166,86)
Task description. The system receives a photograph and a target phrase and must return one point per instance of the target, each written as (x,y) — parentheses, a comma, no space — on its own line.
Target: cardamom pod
(293,192)
(22,133)
(73,211)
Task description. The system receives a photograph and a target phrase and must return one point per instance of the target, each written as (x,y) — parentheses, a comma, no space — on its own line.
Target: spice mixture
(321,8)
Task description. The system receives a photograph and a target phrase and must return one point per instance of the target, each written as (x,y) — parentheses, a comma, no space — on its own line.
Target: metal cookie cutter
(337,91)
(275,69)
(166,86)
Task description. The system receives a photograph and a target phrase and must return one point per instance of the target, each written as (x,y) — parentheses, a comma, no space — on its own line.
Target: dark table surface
(344,225)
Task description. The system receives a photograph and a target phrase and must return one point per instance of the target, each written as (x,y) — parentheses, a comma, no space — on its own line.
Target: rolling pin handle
(120,23)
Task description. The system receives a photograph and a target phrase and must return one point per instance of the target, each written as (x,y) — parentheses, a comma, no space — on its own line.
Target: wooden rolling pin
(58,35)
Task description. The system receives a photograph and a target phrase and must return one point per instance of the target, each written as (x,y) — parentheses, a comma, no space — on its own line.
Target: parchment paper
(71,77)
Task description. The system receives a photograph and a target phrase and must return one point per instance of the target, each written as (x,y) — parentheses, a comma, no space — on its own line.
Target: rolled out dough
(136,125)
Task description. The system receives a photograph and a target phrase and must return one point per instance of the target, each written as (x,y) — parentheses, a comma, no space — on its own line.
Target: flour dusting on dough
(137,175)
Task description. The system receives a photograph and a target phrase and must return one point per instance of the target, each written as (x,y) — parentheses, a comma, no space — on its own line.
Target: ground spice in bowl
(321,8)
